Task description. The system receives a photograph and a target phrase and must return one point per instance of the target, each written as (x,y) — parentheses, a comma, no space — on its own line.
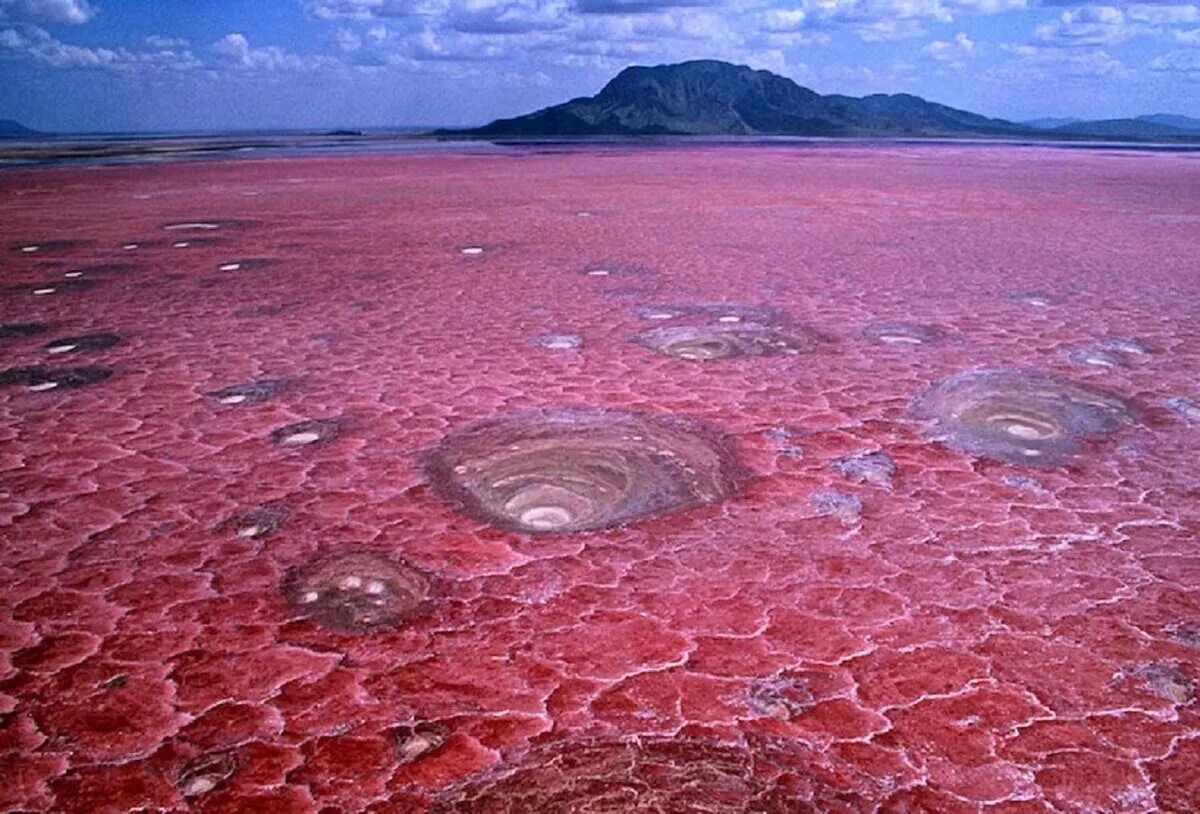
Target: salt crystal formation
(357,592)
(1020,416)
(577,470)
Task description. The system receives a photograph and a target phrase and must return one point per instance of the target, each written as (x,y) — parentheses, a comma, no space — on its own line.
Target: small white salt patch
(28,249)
(1100,361)
(249,531)
(183,244)
(177,227)
(199,785)
(1033,453)
(39,387)
(599,273)
(1021,431)
(729,318)
(60,349)
(40,291)
(1038,301)
(236,398)
(375,586)
(472,250)
(229,267)
(351,583)
(129,246)
(660,315)
(311,596)
(73,274)
(302,438)
(899,339)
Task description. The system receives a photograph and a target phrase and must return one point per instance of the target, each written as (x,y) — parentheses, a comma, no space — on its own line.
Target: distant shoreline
(74,150)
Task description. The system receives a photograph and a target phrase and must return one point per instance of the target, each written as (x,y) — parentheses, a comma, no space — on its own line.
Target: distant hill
(11,129)
(1050,123)
(707,97)
(1171,120)
(1139,129)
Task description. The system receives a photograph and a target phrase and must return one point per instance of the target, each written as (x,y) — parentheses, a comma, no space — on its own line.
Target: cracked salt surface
(760,584)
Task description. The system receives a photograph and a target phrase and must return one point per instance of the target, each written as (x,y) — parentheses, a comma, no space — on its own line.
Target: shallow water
(237,576)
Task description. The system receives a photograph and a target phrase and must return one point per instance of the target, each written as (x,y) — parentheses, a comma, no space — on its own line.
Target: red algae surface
(939,556)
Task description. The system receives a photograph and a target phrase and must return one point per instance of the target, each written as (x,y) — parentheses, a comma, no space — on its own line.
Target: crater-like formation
(720,312)
(307,433)
(579,470)
(20,330)
(206,773)
(249,392)
(416,740)
(357,592)
(83,343)
(726,341)
(39,378)
(875,468)
(903,333)
(262,521)
(552,341)
(1184,407)
(1130,345)
(839,505)
(622,776)
(1020,416)
(1036,299)
(1094,357)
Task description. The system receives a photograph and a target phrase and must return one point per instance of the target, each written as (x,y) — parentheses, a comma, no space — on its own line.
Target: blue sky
(118,65)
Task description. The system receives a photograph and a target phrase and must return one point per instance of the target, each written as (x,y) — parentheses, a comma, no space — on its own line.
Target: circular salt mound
(1020,416)
(580,470)
(357,591)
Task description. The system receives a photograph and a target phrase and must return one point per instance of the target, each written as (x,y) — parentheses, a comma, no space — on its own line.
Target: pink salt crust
(974,641)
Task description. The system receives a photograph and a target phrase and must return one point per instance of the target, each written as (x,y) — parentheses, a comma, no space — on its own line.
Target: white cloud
(1178,62)
(954,53)
(159,41)
(1036,65)
(37,44)
(236,52)
(71,12)
(1190,37)
(1085,26)
(1164,15)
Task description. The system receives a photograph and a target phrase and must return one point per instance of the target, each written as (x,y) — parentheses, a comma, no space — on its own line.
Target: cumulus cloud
(954,53)
(1178,62)
(371,9)
(636,6)
(236,52)
(70,12)
(1035,64)
(1164,15)
(37,44)
(1087,25)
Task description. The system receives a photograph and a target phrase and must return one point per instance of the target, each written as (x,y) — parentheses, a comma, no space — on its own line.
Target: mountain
(11,129)
(707,97)
(1140,129)
(1050,123)
(1171,120)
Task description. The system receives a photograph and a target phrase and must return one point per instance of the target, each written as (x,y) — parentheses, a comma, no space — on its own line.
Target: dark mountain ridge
(707,97)
(712,98)
(12,129)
